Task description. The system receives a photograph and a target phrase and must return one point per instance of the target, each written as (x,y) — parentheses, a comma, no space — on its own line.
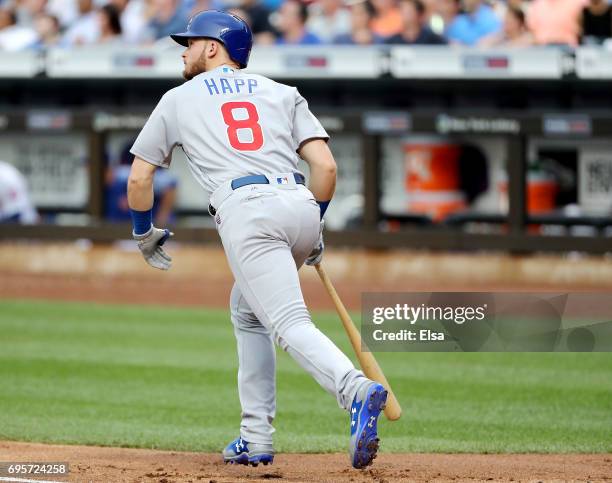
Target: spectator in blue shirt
(292,18)
(170,17)
(448,11)
(478,21)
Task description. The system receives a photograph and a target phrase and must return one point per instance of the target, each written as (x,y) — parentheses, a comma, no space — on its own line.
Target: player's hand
(316,255)
(150,244)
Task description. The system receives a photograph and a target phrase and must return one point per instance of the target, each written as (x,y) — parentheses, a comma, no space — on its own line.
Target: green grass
(165,378)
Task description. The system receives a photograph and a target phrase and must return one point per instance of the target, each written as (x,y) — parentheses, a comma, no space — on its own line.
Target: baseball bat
(368,363)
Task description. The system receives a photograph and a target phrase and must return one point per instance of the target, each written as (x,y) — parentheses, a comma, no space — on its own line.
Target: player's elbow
(325,163)
(330,168)
(324,170)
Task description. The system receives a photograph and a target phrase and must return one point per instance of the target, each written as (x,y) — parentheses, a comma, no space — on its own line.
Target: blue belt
(256,179)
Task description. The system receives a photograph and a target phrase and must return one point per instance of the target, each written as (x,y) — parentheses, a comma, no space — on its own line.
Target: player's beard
(196,68)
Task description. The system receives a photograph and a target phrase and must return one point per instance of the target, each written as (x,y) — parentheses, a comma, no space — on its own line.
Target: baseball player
(15,203)
(243,135)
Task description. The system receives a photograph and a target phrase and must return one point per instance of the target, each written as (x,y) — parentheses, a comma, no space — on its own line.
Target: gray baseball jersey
(229,124)
(232,124)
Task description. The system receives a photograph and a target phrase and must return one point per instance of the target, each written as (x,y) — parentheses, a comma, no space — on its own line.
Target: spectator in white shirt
(134,21)
(85,29)
(328,19)
(66,11)
(14,37)
(27,10)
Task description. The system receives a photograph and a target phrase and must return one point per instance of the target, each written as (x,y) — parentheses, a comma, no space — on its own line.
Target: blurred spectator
(66,11)
(501,6)
(48,30)
(478,21)
(85,29)
(362,13)
(272,5)
(168,17)
(430,8)
(328,19)
(432,18)
(7,18)
(596,22)
(15,203)
(387,19)
(292,18)
(164,191)
(515,33)
(259,16)
(110,25)
(27,10)
(196,6)
(14,37)
(265,37)
(415,31)
(447,11)
(435,19)
(134,24)
(555,21)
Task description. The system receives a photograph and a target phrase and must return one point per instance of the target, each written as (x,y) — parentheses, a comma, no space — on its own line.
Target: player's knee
(282,343)
(241,314)
(283,328)
(245,320)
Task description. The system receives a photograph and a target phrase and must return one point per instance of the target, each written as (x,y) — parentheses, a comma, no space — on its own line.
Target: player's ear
(212,48)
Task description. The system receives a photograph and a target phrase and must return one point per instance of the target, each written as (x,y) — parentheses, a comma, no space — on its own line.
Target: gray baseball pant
(267,232)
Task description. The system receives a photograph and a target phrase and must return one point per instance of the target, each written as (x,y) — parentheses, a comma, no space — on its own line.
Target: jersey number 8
(250,123)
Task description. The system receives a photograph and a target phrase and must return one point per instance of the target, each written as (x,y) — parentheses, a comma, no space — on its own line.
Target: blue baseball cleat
(242,452)
(369,401)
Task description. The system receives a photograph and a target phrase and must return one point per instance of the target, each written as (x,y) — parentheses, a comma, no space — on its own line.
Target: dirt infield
(95,464)
(200,275)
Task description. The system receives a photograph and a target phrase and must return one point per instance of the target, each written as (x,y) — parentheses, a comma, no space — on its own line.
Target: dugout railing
(446,236)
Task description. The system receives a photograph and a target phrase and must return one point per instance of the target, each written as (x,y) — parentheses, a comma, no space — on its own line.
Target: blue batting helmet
(230,30)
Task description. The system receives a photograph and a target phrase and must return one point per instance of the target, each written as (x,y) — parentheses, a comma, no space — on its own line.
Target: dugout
(526,133)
